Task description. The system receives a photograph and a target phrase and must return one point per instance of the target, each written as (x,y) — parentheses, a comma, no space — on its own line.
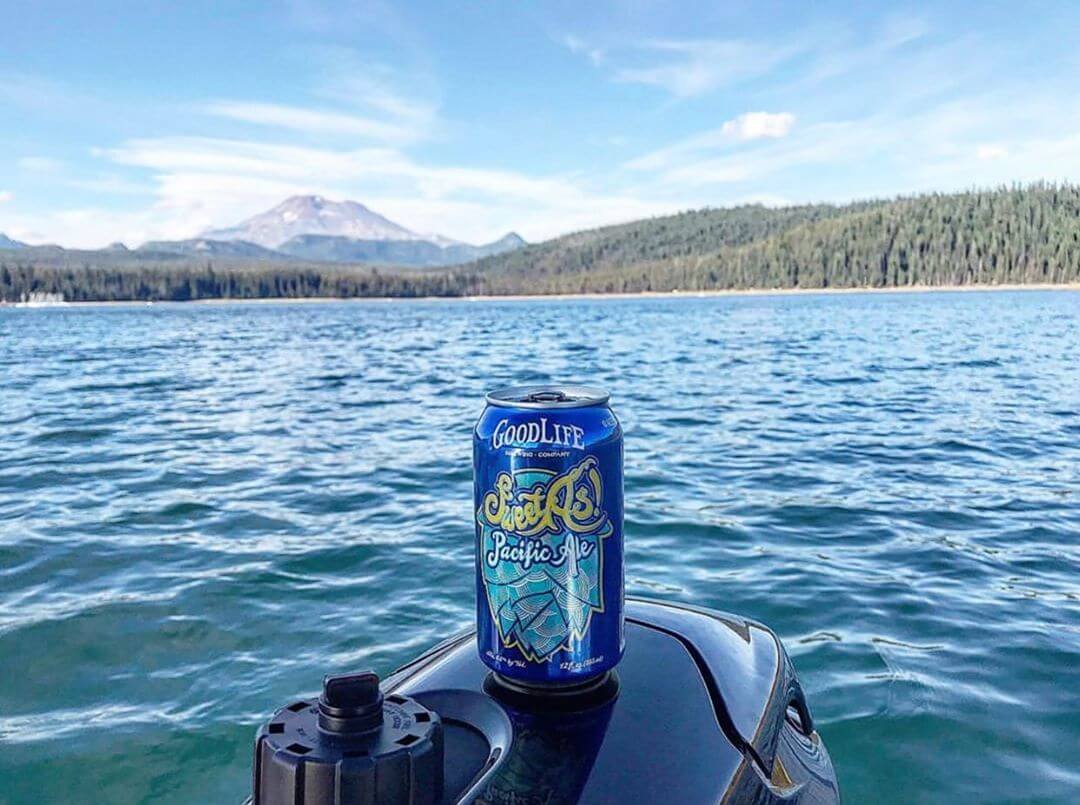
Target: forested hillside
(1015,235)
(1018,235)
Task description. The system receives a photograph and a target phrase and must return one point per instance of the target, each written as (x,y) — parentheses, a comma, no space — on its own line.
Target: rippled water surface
(205,508)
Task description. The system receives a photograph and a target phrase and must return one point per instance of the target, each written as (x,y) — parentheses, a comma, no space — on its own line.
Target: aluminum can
(548,495)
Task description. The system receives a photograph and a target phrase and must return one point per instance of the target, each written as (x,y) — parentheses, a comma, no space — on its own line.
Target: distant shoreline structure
(735,292)
(39,299)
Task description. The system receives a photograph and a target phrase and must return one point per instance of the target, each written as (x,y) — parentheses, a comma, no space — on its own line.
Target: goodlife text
(527,434)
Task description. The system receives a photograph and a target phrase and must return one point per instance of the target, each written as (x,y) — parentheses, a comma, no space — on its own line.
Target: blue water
(205,508)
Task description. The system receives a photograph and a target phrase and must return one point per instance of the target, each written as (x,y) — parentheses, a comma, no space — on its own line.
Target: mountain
(313,215)
(507,243)
(416,253)
(1014,235)
(315,228)
(8,243)
(464,253)
(204,247)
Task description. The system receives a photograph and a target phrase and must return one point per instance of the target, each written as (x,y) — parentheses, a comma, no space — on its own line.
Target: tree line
(1027,234)
(182,282)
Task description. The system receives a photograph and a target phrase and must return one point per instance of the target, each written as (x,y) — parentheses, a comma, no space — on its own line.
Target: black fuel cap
(351,746)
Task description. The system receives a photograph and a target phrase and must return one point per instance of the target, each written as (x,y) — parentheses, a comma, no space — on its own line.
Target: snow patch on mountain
(314,215)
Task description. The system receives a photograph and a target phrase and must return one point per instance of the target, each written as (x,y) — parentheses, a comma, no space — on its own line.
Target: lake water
(203,509)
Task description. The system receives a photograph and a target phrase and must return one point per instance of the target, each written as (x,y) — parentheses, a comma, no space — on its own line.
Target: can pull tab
(546,396)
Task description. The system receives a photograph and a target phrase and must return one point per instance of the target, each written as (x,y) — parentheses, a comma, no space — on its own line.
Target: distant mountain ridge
(316,228)
(336,249)
(314,215)
(421,253)
(1016,235)
(312,228)
(8,243)
(210,248)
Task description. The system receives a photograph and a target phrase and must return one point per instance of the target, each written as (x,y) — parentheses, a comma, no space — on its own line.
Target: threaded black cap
(350,704)
(352,745)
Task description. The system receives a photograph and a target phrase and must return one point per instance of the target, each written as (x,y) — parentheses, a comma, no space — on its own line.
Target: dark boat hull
(708,710)
(703,708)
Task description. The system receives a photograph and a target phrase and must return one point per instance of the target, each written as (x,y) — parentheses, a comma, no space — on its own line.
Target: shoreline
(282,300)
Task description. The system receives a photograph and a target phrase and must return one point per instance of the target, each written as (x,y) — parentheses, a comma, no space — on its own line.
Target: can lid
(548,397)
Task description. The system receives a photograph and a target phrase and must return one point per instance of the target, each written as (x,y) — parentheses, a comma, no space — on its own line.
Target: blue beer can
(548,487)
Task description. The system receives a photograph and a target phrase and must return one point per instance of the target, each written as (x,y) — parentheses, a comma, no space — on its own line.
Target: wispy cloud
(39,164)
(33,92)
(745,128)
(311,121)
(842,52)
(252,157)
(577,45)
(368,90)
(704,160)
(110,184)
(202,182)
(904,109)
(350,81)
(363,100)
(686,68)
(6,196)
(938,148)
(841,109)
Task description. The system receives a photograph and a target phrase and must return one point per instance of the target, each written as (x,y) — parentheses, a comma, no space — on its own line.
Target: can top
(548,397)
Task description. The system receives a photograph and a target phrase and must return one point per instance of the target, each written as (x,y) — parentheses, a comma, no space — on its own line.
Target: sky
(135,121)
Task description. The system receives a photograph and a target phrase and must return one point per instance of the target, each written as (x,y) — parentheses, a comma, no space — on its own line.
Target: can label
(542,537)
(548,510)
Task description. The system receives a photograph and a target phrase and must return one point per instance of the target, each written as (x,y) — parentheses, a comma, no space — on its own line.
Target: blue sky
(141,120)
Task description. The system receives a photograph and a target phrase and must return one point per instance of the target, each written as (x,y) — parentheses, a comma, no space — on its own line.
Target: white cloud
(313,121)
(685,68)
(759,125)
(708,159)
(33,92)
(842,51)
(201,182)
(88,227)
(745,128)
(255,159)
(892,108)
(931,120)
(938,148)
(38,164)
(576,45)
(6,196)
(360,99)
(111,184)
(902,28)
(379,97)
(351,82)
(989,151)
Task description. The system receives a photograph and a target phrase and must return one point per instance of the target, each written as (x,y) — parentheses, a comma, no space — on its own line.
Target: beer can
(548,486)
